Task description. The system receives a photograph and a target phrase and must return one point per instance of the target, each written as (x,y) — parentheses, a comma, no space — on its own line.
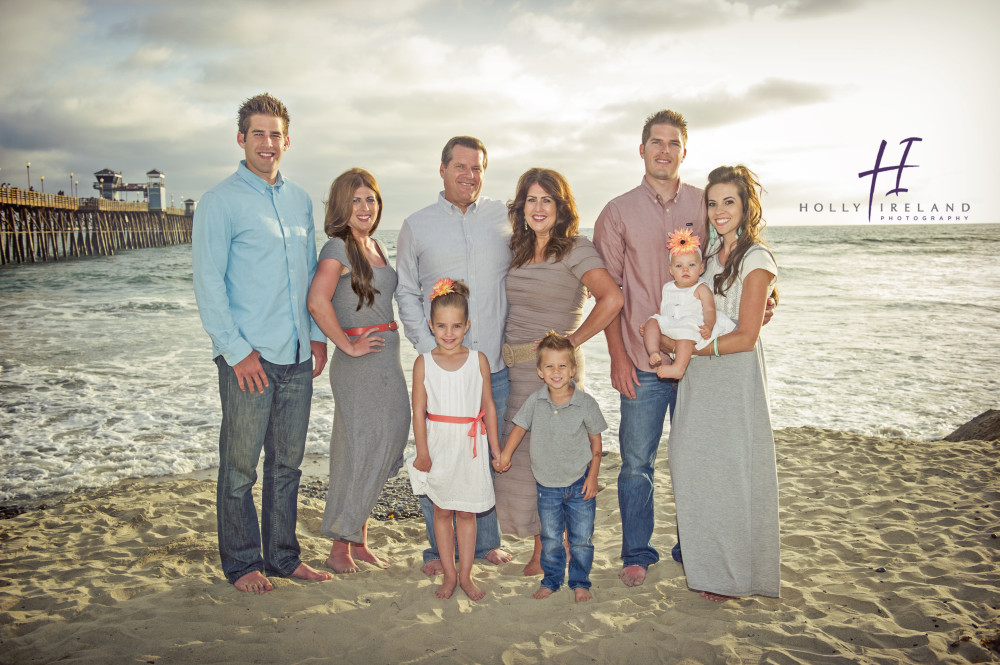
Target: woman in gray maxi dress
(351,301)
(721,447)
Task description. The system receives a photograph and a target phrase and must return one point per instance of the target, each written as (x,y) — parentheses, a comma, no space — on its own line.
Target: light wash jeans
(563,509)
(274,421)
(639,437)
(487,526)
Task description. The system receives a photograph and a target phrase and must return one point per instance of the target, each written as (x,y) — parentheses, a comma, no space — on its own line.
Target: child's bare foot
(304,572)
(715,597)
(432,568)
(447,587)
(498,556)
(655,359)
(632,575)
(340,560)
(543,592)
(669,372)
(362,553)
(471,589)
(253,582)
(582,595)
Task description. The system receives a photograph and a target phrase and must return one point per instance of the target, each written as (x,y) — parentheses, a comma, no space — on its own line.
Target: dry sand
(890,555)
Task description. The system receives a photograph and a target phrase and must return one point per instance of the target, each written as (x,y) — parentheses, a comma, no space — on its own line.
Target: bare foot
(582,595)
(471,589)
(715,597)
(543,592)
(498,556)
(340,562)
(362,553)
(669,372)
(304,572)
(432,568)
(654,360)
(254,582)
(532,568)
(632,575)
(447,587)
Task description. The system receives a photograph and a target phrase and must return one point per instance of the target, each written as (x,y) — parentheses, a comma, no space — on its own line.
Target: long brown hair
(339,208)
(522,240)
(751,224)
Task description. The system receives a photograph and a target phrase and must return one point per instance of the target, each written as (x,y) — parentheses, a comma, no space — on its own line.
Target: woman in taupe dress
(552,270)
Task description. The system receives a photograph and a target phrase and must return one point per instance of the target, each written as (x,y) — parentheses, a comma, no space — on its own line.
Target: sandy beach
(890,554)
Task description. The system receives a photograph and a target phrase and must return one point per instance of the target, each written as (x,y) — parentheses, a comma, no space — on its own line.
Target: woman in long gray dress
(551,271)
(721,448)
(351,300)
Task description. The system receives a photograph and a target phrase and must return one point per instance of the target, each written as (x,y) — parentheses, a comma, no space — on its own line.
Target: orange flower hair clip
(442,287)
(682,241)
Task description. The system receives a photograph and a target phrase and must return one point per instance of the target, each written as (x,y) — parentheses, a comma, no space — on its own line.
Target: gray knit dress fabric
(722,464)
(371,407)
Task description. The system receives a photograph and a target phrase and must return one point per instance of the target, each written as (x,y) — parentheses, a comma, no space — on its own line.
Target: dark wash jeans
(274,421)
(639,438)
(563,509)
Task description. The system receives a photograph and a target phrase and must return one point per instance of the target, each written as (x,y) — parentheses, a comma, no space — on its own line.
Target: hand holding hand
(500,463)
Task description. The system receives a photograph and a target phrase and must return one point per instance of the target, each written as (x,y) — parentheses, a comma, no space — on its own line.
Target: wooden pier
(49,227)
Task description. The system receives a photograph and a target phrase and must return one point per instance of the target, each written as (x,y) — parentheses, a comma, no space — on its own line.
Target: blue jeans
(639,437)
(487,526)
(275,421)
(564,509)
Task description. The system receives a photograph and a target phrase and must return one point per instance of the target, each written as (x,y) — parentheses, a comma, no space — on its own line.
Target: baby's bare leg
(682,356)
(651,340)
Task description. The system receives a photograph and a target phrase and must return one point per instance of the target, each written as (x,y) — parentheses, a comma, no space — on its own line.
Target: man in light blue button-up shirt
(463,236)
(254,254)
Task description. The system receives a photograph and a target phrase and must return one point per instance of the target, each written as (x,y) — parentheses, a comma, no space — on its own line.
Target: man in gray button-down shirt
(462,236)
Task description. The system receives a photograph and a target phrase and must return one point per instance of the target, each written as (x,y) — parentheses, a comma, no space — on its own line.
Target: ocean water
(106,373)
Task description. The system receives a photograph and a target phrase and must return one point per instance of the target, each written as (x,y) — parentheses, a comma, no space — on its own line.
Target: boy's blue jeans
(564,509)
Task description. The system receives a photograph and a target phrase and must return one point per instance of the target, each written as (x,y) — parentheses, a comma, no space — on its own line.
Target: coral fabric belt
(463,420)
(382,327)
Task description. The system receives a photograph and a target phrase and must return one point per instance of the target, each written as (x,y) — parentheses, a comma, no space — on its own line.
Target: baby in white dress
(687,309)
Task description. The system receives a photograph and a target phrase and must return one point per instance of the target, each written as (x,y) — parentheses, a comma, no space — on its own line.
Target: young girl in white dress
(453,413)
(687,309)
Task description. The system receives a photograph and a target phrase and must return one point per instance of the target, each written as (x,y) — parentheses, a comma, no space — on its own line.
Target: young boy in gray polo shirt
(566,426)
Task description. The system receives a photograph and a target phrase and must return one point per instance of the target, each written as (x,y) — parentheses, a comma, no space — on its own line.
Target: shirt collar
(656,197)
(255,180)
(451,208)
(574,398)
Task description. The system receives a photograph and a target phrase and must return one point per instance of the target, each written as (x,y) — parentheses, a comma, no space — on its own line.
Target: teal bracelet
(715,347)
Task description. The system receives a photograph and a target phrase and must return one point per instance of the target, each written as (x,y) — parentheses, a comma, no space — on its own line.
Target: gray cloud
(640,18)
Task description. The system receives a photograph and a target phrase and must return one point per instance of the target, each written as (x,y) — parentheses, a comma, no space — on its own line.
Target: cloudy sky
(803,91)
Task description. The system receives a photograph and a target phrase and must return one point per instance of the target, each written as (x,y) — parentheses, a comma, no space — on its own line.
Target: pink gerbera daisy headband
(682,241)
(442,287)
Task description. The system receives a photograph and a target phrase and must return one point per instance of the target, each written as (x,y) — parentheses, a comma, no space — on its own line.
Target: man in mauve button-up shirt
(254,254)
(631,236)
(462,236)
